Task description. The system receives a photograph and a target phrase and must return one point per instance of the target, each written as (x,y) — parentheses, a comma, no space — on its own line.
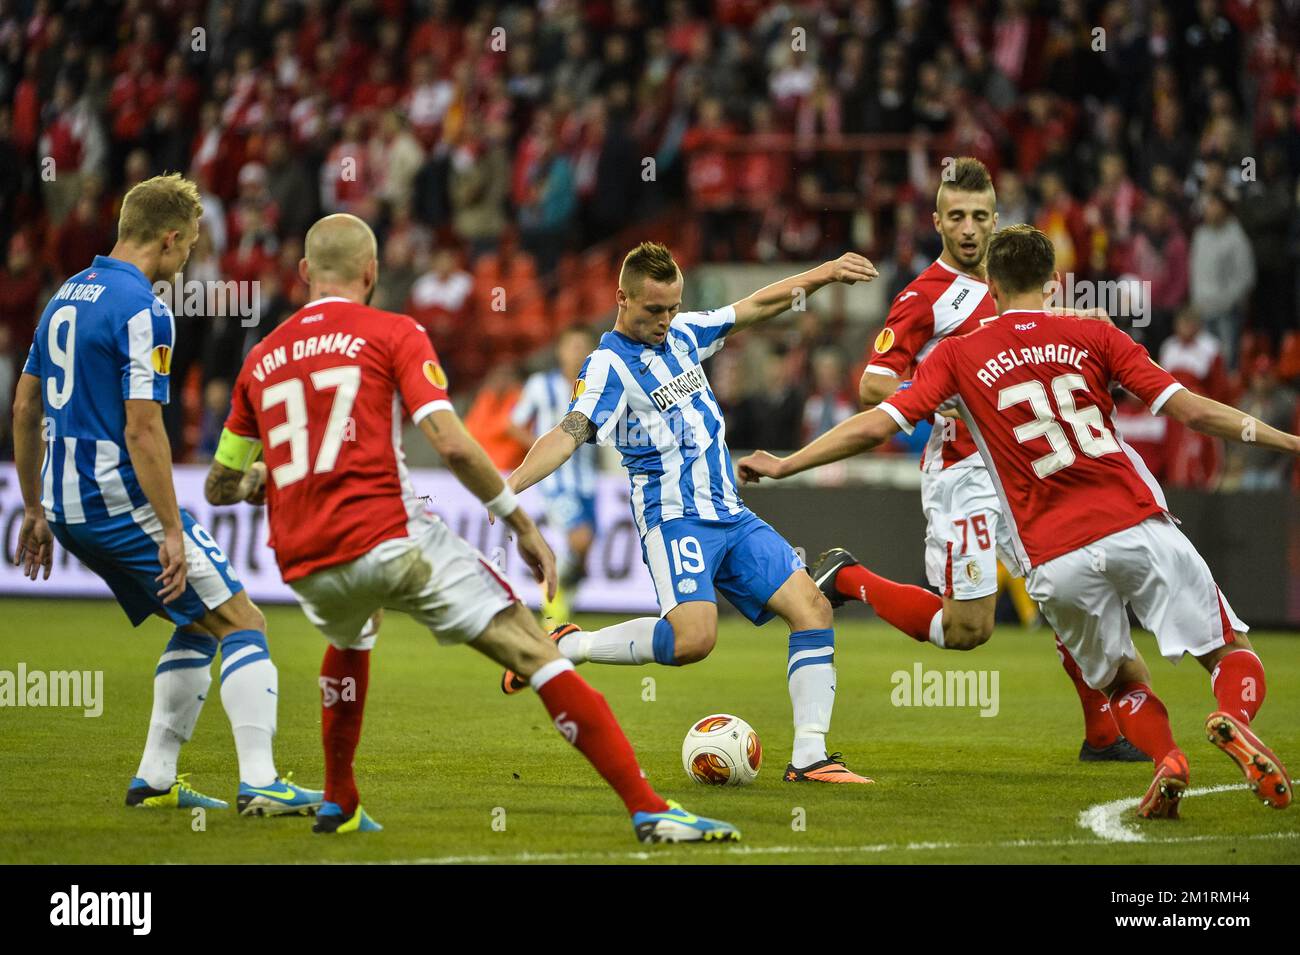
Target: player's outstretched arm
(467,460)
(1223,421)
(551,450)
(771,300)
(35,541)
(151,457)
(862,432)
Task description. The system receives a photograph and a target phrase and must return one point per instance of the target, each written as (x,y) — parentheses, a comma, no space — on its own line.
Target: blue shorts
(123,550)
(568,512)
(744,559)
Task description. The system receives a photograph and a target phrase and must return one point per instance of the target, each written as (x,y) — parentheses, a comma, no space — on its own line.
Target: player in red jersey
(1088,522)
(965,530)
(323,398)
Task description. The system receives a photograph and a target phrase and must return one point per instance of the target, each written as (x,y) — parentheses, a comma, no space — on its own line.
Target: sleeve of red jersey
(909,325)
(932,385)
(420,378)
(1133,368)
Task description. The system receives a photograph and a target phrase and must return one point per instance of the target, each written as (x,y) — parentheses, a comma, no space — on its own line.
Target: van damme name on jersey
(335,343)
(690,382)
(1049,354)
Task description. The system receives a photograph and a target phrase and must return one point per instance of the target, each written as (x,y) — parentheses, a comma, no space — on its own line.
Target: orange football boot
(512,683)
(828,770)
(1264,772)
(1167,788)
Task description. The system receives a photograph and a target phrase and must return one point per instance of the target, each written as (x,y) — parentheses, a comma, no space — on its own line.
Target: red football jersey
(1035,390)
(938,303)
(325,394)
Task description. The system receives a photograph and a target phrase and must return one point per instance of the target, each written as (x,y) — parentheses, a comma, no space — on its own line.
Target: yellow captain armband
(237,452)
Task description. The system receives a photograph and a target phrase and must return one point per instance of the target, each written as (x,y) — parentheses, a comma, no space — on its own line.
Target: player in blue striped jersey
(570,492)
(643,390)
(94,466)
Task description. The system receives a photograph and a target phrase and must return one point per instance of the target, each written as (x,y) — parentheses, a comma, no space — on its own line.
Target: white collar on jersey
(328,298)
(944,265)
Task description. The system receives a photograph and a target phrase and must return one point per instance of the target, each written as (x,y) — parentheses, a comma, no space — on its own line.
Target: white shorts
(435,577)
(964,532)
(1151,566)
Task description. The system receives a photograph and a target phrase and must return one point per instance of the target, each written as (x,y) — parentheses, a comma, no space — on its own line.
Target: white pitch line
(1106,819)
(705,857)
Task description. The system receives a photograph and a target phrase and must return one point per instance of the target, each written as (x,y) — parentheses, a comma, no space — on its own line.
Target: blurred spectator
(549,202)
(1158,255)
(830,401)
(289,185)
(71,145)
(488,419)
(1267,210)
(1222,272)
(395,156)
(21,282)
(1194,356)
(441,300)
(479,183)
(1149,435)
(1256,468)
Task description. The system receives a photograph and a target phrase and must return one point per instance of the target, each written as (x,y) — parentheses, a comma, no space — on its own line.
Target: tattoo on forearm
(577,426)
(222,486)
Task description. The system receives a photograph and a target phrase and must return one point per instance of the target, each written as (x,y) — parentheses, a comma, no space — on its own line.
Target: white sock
(811,676)
(249,684)
(936,630)
(180,686)
(630,643)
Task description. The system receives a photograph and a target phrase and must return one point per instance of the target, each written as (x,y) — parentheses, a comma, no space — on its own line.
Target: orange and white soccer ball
(722,750)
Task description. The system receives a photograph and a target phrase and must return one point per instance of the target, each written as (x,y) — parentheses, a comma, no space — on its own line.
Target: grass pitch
(457,772)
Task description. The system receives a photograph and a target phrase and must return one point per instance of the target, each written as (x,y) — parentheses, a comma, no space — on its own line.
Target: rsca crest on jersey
(437,377)
(884,341)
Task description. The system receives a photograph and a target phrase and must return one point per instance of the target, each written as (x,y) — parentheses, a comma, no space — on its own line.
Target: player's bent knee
(693,645)
(965,636)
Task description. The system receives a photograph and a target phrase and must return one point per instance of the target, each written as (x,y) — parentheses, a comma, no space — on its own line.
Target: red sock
(904,606)
(583,717)
(345,675)
(1238,684)
(1143,720)
(1098,725)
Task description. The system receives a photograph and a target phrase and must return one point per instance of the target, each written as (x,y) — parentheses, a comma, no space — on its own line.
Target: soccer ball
(722,750)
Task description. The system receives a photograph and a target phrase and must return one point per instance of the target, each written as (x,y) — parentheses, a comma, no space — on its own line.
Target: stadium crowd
(506,152)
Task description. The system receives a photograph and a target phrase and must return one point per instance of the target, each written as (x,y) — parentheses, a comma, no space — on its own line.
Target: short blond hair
(156,206)
(648,260)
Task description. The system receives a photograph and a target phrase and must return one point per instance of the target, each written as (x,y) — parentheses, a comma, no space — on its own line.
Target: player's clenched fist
(760,464)
(252,486)
(851,267)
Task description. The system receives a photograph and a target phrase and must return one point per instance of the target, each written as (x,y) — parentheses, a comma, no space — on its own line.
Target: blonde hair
(648,260)
(156,206)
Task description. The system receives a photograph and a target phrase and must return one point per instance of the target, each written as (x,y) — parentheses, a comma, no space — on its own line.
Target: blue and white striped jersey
(543,402)
(655,405)
(104,337)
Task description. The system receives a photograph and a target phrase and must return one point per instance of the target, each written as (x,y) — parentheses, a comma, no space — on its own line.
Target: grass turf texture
(443,748)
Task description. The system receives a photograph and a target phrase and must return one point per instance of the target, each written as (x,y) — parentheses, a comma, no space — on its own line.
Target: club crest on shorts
(433,371)
(885,340)
(687,586)
(973,572)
